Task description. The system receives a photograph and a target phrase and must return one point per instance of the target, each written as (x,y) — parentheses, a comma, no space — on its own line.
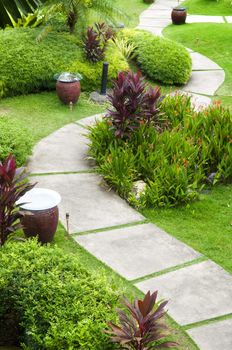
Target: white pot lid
(39,199)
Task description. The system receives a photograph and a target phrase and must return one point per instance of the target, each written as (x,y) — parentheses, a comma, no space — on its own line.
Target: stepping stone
(63,151)
(90,121)
(229,19)
(156,14)
(214,336)
(205,82)
(90,205)
(148,22)
(137,251)
(201,62)
(204,19)
(154,30)
(196,293)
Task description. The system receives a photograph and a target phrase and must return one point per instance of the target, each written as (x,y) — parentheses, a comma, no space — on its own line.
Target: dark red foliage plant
(141,326)
(133,103)
(96,41)
(13,185)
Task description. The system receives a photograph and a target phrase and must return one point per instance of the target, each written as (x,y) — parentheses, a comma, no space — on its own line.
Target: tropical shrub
(12,188)
(187,151)
(141,326)
(160,59)
(58,303)
(132,104)
(14,139)
(27,65)
(96,41)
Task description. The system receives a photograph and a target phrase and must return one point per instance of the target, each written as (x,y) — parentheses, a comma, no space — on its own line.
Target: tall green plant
(11,11)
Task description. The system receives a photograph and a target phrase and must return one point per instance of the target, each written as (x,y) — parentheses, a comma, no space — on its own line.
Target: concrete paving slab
(196,293)
(137,251)
(153,30)
(156,14)
(148,22)
(214,336)
(229,19)
(200,62)
(90,205)
(205,82)
(204,19)
(90,121)
(63,151)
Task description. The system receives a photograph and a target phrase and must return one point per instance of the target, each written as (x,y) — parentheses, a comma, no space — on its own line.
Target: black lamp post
(105,67)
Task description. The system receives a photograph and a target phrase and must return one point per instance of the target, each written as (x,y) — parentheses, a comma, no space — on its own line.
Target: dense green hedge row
(28,66)
(189,149)
(58,303)
(15,139)
(160,59)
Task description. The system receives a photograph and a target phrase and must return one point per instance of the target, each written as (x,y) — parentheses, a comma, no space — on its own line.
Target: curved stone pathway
(200,292)
(206,76)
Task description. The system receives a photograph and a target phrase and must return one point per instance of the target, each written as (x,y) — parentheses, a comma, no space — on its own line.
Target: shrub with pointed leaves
(96,41)
(12,187)
(142,329)
(133,104)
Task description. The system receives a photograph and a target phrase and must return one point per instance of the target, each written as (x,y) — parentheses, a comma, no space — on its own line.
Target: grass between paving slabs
(66,242)
(205,225)
(209,7)
(211,40)
(43,113)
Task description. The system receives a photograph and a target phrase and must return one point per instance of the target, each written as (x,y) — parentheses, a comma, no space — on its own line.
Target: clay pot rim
(181,9)
(39,199)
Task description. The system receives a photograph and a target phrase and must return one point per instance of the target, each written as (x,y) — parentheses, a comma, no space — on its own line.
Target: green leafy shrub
(14,139)
(27,65)
(59,304)
(188,150)
(159,58)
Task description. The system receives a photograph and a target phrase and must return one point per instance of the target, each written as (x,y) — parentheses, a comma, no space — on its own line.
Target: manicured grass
(66,242)
(211,40)
(205,225)
(209,7)
(132,10)
(43,113)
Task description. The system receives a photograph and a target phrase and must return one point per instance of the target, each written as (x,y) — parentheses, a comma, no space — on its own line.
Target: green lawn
(43,113)
(209,7)
(205,225)
(211,40)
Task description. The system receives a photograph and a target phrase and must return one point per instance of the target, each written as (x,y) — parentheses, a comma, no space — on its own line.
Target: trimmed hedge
(59,304)
(159,58)
(28,66)
(15,139)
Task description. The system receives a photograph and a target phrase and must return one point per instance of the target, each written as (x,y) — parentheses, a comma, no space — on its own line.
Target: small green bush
(159,58)
(188,150)
(59,304)
(15,139)
(27,65)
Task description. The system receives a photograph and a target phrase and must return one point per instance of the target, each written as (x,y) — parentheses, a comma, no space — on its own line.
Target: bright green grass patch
(43,113)
(66,242)
(132,10)
(209,7)
(211,40)
(205,225)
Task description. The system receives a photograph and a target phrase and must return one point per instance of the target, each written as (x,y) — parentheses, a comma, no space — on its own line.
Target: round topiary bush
(27,65)
(159,58)
(58,303)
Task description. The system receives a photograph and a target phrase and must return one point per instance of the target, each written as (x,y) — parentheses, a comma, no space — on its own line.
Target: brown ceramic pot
(41,223)
(179,15)
(68,92)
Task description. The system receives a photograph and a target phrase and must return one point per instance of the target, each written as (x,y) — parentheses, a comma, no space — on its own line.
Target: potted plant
(68,87)
(179,14)
(40,213)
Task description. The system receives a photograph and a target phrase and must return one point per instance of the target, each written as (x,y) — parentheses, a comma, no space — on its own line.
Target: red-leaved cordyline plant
(96,41)
(141,327)
(133,103)
(12,187)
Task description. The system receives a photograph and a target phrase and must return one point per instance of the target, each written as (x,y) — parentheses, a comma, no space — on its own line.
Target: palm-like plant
(78,11)
(14,9)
